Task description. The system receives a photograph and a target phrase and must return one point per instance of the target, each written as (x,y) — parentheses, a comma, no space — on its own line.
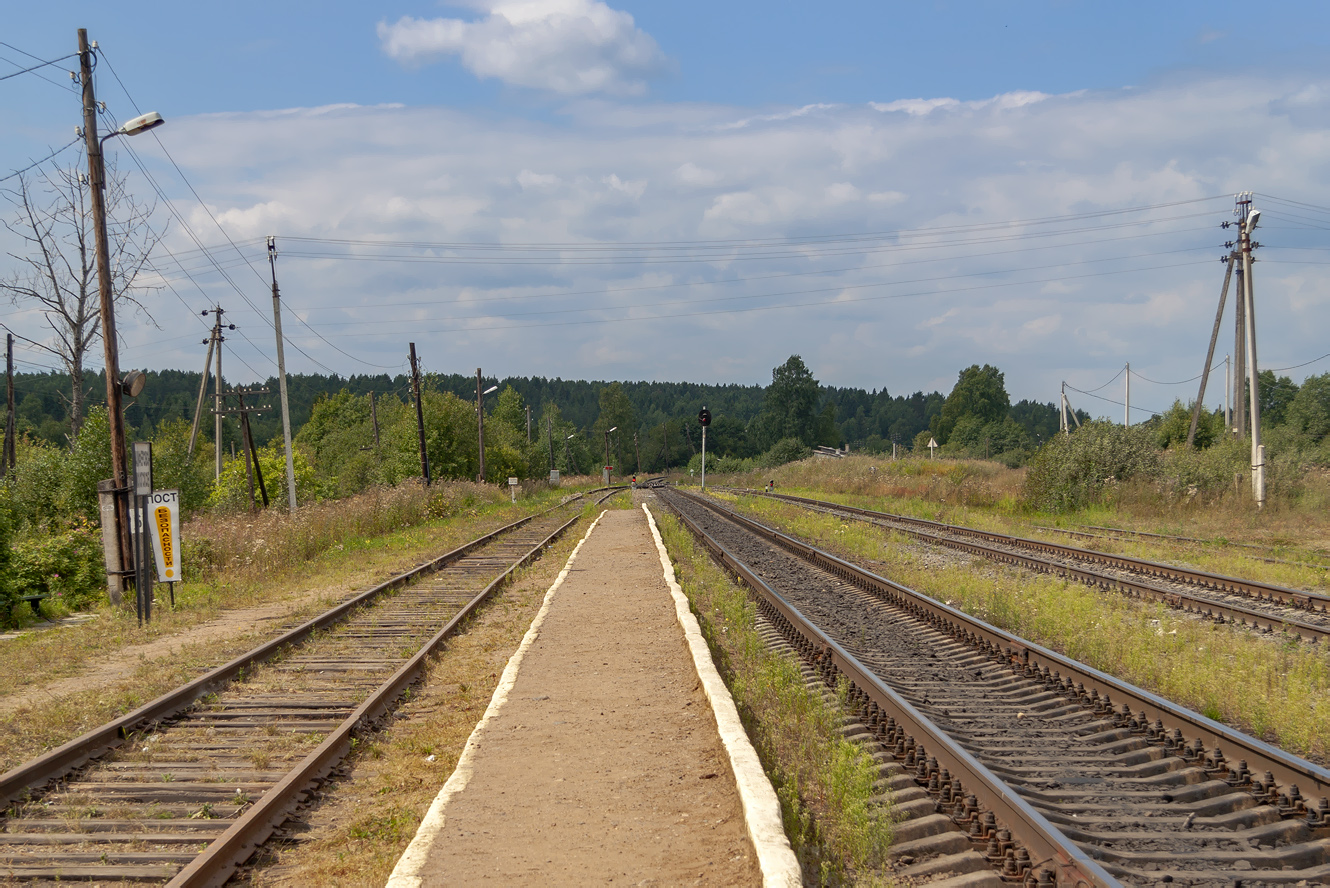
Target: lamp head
(141,123)
(615,429)
(1253,218)
(493,388)
(133,383)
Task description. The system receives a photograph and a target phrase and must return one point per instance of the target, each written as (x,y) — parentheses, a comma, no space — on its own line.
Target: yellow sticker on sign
(163,516)
(164,519)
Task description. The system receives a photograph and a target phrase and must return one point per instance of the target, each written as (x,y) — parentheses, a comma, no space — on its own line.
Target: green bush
(7,588)
(1073,471)
(786,450)
(231,491)
(65,565)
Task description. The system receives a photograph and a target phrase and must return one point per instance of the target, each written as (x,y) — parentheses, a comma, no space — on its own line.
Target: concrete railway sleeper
(1145,792)
(1260,606)
(186,788)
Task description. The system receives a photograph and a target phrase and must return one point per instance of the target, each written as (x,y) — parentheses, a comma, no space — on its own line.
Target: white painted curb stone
(407,873)
(775,857)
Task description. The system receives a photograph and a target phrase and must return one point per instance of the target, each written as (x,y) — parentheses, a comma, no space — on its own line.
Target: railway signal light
(704,417)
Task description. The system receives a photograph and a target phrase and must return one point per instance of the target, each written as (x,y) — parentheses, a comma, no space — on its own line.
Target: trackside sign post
(164,525)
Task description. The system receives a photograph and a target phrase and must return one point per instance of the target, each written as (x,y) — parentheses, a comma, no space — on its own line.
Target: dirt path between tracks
(604,764)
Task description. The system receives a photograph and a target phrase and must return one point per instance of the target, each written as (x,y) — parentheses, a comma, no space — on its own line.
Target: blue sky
(584,123)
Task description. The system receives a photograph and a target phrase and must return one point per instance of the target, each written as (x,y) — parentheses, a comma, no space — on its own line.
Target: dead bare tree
(57,274)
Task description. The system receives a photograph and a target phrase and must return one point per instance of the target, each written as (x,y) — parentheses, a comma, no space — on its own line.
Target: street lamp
(607,452)
(97,180)
(480,414)
(565,449)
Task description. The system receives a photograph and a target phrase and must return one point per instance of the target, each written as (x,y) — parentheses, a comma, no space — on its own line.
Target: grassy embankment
(1278,690)
(278,568)
(825,783)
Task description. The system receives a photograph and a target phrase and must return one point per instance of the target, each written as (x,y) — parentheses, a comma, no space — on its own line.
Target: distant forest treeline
(855,417)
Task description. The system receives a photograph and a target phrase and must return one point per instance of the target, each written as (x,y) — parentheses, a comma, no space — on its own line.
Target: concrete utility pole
(528,423)
(110,343)
(1250,218)
(217,394)
(549,430)
(281,378)
(480,429)
(7,455)
(211,341)
(1210,352)
(420,416)
(1126,403)
(1239,352)
(1228,384)
(1062,407)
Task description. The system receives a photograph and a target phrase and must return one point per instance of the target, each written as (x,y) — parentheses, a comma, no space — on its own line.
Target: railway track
(1094,532)
(186,788)
(1261,606)
(1008,756)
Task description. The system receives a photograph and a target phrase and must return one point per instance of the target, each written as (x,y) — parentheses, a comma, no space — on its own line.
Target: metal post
(281,378)
(704,457)
(1126,408)
(106,303)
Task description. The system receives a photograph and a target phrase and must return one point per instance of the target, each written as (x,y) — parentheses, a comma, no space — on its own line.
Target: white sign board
(164,520)
(512,482)
(142,468)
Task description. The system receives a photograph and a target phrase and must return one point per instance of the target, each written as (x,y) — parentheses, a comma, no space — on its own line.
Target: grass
(1278,690)
(825,783)
(365,819)
(301,589)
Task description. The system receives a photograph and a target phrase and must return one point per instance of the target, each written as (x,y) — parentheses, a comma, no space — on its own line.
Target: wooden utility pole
(528,423)
(1210,353)
(374,418)
(420,416)
(549,429)
(638,453)
(106,305)
(7,455)
(281,379)
(665,442)
(252,468)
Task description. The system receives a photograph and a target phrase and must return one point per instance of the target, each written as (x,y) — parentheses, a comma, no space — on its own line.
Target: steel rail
(56,763)
(1214,610)
(1028,827)
(1218,582)
(215,865)
(1211,743)
(1122,534)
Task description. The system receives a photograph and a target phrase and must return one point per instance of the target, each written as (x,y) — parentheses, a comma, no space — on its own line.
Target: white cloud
(570,47)
(920,304)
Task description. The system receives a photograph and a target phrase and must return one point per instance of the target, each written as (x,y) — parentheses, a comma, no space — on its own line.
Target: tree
(790,407)
(616,411)
(1309,411)
(979,392)
(1276,395)
(58,273)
